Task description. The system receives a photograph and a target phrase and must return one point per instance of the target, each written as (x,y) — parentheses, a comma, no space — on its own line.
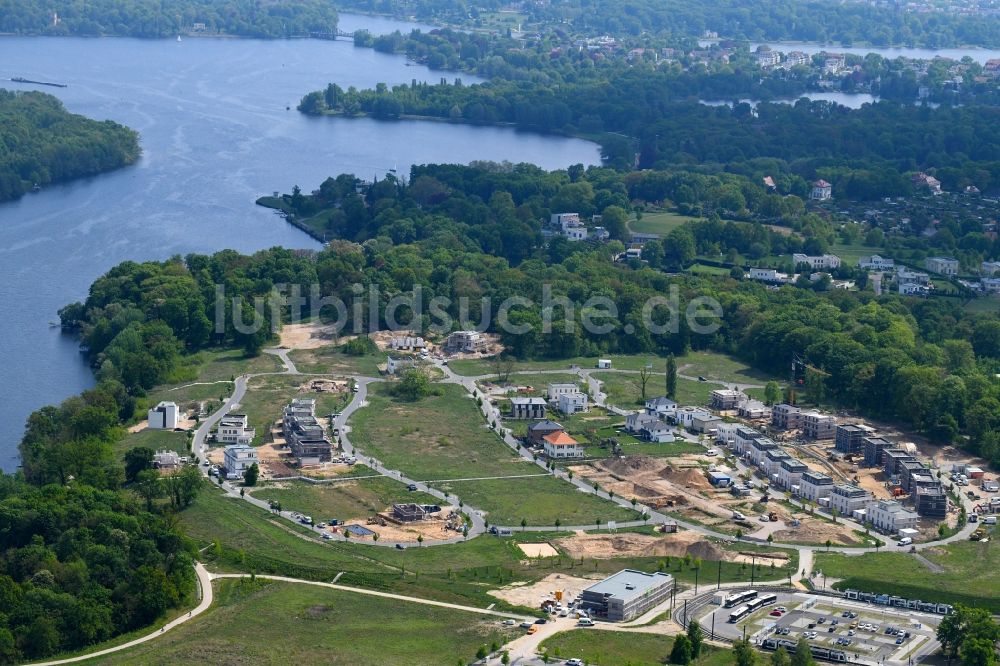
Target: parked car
(526,625)
(533,629)
(899,641)
(327,535)
(541,620)
(574,662)
(400,546)
(508,623)
(585,622)
(411,487)
(775,613)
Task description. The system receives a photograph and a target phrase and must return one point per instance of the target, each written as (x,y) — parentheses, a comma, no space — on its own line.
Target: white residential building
(560,445)
(905,275)
(657,431)
(238,458)
(821,191)
(726,399)
(663,407)
(565,220)
(814,485)
(876,263)
(235,429)
(572,403)
(790,472)
(989,268)
(753,409)
(396,364)
(466,341)
(555,390)
(941,265)
(847,499)
(822,262)
(890,516)
(990,285)
(638,420)
(767,275)
(163,416)
(913,289)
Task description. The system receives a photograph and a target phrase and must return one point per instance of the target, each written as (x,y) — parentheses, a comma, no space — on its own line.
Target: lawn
(329,360)
(477,367)
(215,371)
(540,382)
(984,304)
(662,222)
(624,648)
(971,573)
(438,437)
(157,440)
(266,622)
(705,269)
(625,391)
(345,500)
(538,500)
(849,254)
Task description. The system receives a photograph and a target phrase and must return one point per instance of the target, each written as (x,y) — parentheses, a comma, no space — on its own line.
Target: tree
(251,475)
(644,374)
(482,652)
(137,459)
(682,651)
(505,659)
(745,656)
(671,379)
(147,485)
(780,658)
(772,392)
(414,384)
(524,523)
(697,638)
(803,653)
(420,539)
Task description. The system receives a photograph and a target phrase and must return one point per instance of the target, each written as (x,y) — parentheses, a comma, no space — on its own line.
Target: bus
(739,598)
(765,600)
(739,614)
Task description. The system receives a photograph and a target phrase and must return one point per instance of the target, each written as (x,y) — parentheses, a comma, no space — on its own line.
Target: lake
(980,55)
(850,100)
(215,135)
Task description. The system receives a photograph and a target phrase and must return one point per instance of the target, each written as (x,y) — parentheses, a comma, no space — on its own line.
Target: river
(215,135)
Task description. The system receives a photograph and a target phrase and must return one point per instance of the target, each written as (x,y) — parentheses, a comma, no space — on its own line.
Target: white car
(765,519)
(574,662)
(711,452)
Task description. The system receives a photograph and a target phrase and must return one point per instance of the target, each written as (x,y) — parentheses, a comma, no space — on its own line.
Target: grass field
(157,440)
(625,390)
(251,539)
(267,622)
(328,360)
(345,500)
(984,304)
(437,437)
(540,382)
(213,374)
(971,573)
(849,254)
(538,500)
(477,367)
(623,648)
(661,222)
(705,269)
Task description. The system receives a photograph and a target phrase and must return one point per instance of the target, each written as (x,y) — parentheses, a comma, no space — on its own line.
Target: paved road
(205,587)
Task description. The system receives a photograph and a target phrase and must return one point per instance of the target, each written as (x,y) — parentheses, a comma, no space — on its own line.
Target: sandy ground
(309,336)
(538,549)
(181,423)
(628,544)
(430,529)
(533,595)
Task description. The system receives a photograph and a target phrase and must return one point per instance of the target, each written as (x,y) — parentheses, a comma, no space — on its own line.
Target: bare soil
(627,544)
(538,549)
(309,336)
(533,595)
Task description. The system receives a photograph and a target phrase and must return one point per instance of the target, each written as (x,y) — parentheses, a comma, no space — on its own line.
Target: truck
(738,516)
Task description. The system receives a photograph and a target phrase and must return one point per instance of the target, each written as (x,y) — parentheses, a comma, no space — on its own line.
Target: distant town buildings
(822,262)
(942,265)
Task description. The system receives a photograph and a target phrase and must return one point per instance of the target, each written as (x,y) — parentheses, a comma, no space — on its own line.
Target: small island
(42,143)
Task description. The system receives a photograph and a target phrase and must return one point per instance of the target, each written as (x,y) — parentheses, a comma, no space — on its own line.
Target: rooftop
(560,438)
(629,584)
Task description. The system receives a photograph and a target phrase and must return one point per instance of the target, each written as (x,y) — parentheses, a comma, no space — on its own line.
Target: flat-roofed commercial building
(626,595)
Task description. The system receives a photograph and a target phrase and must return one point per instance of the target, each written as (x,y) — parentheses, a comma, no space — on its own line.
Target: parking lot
(866,633)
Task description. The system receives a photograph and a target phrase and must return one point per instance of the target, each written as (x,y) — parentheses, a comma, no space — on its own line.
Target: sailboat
(178,38)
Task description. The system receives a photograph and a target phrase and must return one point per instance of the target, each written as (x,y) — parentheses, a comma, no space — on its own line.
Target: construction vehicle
(978,534)
(773,517)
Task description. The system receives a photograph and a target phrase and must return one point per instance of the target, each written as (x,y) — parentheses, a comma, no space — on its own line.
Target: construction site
(405,526)
(680,487)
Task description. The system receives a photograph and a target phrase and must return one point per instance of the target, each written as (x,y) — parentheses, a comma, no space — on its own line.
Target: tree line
(152,18)
(811,21)
(42,143)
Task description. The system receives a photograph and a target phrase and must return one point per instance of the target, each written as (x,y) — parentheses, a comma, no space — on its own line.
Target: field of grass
(266,622)
(971,573)
(477,367)
(984,304)
(624,390)
(540,382)
(437,437)
(214,371)
(661,222)
(157,440)
(624,648)
(849,254)
(705,269)
(329,360)
(538,500)
(345,500)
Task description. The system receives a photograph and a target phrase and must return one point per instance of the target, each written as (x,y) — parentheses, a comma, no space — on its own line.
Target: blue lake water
(215,135)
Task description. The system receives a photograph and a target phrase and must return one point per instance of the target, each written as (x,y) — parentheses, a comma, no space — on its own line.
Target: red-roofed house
(561,445)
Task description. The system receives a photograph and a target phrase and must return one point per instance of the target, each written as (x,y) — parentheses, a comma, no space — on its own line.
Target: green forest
(42,143)
(809,20)
(152,18)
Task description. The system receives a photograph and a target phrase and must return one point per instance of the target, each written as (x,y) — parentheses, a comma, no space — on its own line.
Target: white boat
(178,38)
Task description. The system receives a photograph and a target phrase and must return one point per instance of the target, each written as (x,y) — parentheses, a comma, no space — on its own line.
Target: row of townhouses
(303,433)
(565,397)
